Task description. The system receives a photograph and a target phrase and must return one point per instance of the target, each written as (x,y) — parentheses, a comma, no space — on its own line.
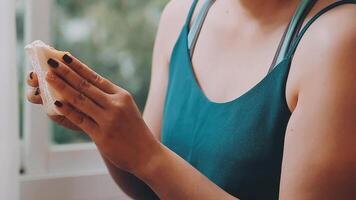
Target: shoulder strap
(294,46)
(197,25)
(289,35)
(190,13)
(292,31)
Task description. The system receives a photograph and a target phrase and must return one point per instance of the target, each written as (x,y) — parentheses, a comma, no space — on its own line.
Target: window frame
(9,115)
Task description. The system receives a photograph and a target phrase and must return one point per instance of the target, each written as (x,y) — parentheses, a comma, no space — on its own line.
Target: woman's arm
(166,36)
(109,115)
(168,32)
(129,183)
(319,159)
(320,143)
(130,145)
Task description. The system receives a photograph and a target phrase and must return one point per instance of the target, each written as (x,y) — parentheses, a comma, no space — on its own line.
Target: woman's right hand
(33,96)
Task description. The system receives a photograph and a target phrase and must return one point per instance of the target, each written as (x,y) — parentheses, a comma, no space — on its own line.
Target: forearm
(130,184)
(173,178)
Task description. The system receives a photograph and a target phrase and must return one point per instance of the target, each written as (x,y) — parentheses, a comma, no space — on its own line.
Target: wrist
(151,167)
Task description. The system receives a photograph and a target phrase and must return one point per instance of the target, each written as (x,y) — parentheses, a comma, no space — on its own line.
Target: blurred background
(115,38)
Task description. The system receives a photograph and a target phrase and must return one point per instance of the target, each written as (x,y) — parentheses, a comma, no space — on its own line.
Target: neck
(267,11)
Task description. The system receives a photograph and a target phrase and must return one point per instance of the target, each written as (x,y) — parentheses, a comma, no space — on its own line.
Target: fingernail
(52,63)
(37,92)
(31,75)
(58,103)
(67,59)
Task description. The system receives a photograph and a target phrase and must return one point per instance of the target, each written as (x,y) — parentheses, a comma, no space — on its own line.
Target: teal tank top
(238,144)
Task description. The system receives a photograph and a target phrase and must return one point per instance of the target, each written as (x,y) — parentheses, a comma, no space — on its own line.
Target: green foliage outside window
(114,37)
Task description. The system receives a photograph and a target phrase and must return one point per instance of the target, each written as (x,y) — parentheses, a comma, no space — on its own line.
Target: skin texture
(318,160)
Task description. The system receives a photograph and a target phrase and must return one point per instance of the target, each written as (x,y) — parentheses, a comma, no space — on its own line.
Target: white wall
(86,186)
(9,130)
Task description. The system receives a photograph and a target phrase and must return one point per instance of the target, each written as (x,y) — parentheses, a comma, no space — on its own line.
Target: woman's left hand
(105,111)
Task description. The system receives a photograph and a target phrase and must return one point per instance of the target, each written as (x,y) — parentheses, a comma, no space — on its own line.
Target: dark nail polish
(31,75)
(37,92)
(52,63)
(67,59)
(58,103)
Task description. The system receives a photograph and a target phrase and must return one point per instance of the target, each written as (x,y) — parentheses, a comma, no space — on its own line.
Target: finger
(75,98)
(78,83)
(33,95)
(32,79)
(63,121)
(79,119)
(90,75)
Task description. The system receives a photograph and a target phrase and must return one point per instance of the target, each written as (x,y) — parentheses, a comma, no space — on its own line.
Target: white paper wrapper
(38,53)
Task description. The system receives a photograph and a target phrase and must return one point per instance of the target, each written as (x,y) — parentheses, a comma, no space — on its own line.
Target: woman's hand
(109,115)
(33,96)
(106,112)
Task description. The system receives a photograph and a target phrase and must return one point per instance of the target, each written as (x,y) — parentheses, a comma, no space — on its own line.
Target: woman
(215,126)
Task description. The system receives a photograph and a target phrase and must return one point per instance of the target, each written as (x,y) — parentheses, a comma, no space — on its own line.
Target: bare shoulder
(335,29)
(322,127)
(328,48)
(177,10)
(171,24)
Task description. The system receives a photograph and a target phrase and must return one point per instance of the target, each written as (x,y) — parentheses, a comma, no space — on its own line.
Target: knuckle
(125,97)
(79,99)
(65,70)
(111,87)
(97,79)
(106,100)
(79,67)
(61,85)
(80,120)
(75,116)
(83,85)
(118,106)
(51,76)
(68,111)
(57,118)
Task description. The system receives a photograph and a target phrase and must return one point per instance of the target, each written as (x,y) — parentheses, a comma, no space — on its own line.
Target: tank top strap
(292,31)
(294,45)
(190,13)
(197,25)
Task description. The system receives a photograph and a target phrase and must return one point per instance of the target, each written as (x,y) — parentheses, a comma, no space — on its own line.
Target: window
(115,38)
